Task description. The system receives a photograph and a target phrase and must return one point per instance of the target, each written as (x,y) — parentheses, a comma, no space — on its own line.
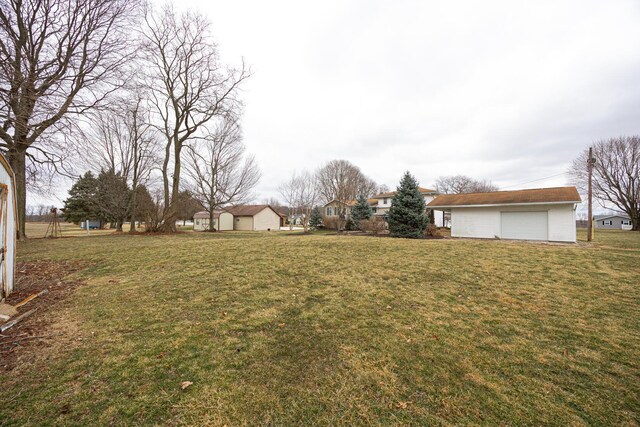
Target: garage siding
(475,222)
(226,221)
(244,223)
(485,222)
(266,219)
(524,225)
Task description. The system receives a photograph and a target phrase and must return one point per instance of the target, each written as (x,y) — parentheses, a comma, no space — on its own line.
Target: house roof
(624,216)
(372,202)
(248,210)
(205,214)
(536,195)
(281,210)
(393,193)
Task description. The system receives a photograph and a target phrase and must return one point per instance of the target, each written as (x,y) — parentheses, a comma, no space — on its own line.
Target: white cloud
(508,91)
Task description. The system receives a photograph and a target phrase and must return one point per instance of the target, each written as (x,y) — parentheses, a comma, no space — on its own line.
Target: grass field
(37,230)
(279,329)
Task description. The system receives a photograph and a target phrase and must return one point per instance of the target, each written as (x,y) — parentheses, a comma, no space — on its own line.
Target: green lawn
(279,329)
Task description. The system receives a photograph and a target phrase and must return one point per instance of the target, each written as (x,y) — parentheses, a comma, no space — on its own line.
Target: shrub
(375,225)
(331,223)
(431,231)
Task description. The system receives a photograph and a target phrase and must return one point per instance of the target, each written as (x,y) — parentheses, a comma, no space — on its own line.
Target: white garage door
(524,225)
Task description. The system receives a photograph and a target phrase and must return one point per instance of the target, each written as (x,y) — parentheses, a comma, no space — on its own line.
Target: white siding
(485,222)
(243,223)
(8,231)
(475,222)
(226,221)
(524,225)
(266,219)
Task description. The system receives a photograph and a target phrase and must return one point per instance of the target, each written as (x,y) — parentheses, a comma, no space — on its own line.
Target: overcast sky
(506,91)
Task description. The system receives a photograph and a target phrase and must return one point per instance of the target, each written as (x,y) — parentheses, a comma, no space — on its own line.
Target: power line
(535,180)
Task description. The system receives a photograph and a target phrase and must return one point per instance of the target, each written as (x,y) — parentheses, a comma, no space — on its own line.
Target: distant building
(380,205)
(613,222)
(222,221)
(241,217)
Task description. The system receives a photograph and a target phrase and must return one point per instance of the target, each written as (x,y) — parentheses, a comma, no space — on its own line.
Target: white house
(383,204)
(255,218)
(222,221)
(535,214)
(8,227)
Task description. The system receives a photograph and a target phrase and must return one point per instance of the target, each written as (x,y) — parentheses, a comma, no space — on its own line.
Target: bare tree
(57,58)
(342,181)
(271,201)
(120,139)
(307,192)
(189,87)
(383,188)
(300,193)
(289,192)
(616,175)
(458,184)
(142,153)
(218,170)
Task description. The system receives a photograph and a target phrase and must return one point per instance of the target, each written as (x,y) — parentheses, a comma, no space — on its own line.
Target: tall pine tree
(361,211)
(407,216)
(83,203)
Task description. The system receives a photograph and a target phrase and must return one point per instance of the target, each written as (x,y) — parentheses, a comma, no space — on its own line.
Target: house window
(384,201)
(626,222)
(607,222)
(329,211)
(197,222)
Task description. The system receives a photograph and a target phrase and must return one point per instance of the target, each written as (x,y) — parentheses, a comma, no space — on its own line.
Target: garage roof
(536,195)
(248,210)
(205,214)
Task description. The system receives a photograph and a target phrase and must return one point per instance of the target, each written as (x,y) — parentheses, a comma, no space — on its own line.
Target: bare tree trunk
(17,161)
(132,216)
(211,215)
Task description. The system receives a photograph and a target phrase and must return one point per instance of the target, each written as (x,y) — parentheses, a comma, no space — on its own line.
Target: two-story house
(381,203)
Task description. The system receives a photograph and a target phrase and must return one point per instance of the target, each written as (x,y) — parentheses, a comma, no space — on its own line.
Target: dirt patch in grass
(23,342)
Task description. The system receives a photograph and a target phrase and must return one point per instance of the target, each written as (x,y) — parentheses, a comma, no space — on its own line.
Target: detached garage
(547,214)
(255,218)
(222,221)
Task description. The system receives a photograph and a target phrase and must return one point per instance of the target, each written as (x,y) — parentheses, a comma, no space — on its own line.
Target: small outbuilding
(535,214)
(8,227)
(255,218)
(222,221)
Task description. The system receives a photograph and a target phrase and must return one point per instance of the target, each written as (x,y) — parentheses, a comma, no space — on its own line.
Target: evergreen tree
(362,210)
(315,220)
(407,216)
(83,203)
(114,197)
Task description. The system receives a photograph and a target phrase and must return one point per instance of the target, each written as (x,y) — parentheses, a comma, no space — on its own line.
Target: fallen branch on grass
(17,320)
(30,297)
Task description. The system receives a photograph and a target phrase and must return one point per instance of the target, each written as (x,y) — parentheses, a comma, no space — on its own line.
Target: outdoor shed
(8,227)
(222,221)
(255,218)
(535,214)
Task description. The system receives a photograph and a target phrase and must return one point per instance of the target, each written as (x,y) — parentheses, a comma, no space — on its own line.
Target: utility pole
(590,162)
